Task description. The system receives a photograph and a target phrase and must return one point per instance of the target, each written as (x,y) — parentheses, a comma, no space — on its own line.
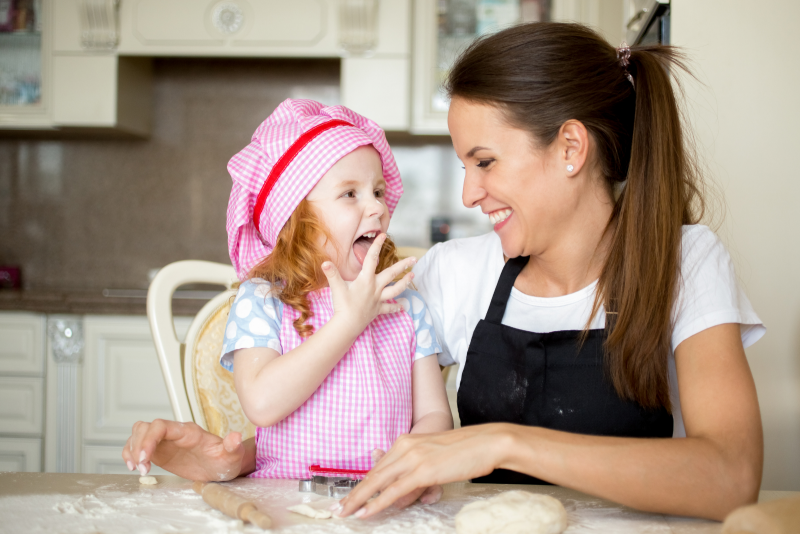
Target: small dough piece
(513,512)
(306,510)
(148,480)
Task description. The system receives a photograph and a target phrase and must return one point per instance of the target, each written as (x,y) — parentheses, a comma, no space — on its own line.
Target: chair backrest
(199,388)
(209,386)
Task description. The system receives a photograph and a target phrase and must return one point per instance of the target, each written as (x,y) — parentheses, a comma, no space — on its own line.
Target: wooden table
(78,503)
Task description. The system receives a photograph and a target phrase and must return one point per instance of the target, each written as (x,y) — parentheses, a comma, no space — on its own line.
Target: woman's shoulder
(464,254)
(701,246)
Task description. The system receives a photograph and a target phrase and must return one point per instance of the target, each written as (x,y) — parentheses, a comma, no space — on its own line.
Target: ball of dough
(513,512)
(148,480)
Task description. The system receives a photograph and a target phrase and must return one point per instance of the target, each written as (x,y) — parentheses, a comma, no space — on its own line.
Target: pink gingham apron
(362,405)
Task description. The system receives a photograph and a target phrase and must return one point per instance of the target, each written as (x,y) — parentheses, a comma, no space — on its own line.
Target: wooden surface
(79,503)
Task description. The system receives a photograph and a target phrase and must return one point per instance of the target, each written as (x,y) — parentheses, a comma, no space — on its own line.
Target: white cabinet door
(229,27)
(20,454)
(122,378)
(22,343)
(21,405)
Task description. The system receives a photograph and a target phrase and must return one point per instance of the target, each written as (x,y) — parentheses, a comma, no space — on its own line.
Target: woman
(616,322)
(615,317)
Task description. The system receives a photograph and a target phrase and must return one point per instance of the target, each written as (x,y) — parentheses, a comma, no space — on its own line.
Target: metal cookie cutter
(334,483)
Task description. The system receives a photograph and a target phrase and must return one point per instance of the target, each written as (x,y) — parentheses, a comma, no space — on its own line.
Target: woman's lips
(500,218)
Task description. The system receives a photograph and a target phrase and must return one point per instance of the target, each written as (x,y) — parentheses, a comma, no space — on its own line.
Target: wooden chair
(199,388)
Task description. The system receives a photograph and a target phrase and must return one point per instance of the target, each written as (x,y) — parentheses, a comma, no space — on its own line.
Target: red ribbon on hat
(286,159)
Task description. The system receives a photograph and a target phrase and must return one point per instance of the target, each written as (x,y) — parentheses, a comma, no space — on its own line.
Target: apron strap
(497,308)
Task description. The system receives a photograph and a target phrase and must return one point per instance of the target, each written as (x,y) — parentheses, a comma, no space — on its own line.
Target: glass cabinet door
(443,29)
(22,58)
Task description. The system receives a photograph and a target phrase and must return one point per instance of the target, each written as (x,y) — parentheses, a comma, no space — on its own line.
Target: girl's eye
(379,193)
(349,194)
(482,164)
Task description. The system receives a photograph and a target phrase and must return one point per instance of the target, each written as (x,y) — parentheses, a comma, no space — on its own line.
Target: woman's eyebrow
(475,149)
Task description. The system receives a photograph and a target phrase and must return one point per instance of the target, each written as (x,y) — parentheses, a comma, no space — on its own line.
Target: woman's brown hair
(543,74)
(294,268)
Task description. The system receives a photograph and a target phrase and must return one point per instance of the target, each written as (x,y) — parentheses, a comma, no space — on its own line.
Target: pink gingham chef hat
(287,155)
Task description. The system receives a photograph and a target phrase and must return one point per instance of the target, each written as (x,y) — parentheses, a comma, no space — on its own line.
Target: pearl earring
(570,168)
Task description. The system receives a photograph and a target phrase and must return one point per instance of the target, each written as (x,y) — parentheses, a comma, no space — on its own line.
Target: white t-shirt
(457,279)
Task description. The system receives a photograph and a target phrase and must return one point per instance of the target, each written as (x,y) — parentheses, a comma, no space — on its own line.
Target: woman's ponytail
(639,283)
(544,74)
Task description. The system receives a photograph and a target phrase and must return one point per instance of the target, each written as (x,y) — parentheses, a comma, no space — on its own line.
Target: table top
(82,503)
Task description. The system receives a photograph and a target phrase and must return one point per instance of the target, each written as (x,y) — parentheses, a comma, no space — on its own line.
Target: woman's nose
(473,191)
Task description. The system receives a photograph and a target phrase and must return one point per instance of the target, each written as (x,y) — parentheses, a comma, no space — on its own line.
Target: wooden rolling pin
(773,517)
(230,504)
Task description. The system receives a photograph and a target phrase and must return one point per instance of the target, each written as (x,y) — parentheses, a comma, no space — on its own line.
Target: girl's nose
(473,191)
(375,209)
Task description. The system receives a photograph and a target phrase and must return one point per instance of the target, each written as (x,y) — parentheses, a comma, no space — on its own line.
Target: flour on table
(148,480)
(513,512)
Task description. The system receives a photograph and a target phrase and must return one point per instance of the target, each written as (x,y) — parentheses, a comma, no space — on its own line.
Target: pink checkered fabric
(250,168)
(363,404)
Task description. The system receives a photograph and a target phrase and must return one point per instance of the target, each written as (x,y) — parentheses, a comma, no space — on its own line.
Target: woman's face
(526,191)
(349,199)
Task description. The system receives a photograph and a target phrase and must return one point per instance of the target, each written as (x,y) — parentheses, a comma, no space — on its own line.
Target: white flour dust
(112,512)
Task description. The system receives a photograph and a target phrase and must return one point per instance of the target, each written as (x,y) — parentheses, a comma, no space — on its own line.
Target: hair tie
(624,57)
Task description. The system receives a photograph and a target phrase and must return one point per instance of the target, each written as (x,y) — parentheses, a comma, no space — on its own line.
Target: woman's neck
(574,257)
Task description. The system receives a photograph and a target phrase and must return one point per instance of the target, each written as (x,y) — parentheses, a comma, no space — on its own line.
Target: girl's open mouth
(362,244)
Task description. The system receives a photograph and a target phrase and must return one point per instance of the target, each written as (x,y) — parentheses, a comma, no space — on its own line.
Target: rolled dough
(306,510)
(513,512)
(148,480)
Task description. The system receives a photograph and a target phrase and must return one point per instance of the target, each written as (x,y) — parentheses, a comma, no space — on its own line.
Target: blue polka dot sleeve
(427,342)
(254,321)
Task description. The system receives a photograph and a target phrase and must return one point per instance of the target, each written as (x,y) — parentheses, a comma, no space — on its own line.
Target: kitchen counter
(93,302)
(80,503)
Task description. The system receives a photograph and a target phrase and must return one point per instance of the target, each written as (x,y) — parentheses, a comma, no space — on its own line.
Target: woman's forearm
(688,476)
(271,390)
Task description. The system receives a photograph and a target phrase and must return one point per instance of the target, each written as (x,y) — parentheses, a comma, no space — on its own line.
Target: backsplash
(103,213)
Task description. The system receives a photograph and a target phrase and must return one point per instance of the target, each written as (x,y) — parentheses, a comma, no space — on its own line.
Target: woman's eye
(482,164)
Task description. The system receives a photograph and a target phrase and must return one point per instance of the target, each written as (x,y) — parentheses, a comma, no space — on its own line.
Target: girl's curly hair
(294,268)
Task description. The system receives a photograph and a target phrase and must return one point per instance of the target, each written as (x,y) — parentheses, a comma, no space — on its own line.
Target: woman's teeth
(500,216)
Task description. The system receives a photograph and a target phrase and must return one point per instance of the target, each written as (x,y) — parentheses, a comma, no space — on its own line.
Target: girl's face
(349,199)
(525,191)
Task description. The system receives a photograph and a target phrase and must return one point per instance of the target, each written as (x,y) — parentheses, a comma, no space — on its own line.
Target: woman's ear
(573,139)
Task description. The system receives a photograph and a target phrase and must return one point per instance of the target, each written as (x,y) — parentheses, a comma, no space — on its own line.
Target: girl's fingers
(393,291)
(386,276)
(387,308)
(333,276)
(373,254)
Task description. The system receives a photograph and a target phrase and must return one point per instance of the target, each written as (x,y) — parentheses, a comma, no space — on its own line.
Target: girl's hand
(419,461)
(365,298)
(188,451)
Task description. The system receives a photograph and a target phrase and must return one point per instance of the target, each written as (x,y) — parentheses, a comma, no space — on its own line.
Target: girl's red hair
(294,268)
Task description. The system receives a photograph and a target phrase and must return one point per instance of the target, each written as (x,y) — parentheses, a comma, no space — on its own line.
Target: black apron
(548,380)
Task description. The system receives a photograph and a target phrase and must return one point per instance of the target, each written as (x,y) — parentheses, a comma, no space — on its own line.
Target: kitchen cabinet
(25,55)
(71,388)
(122,384)
(22,342)
(82,86)
(442,30)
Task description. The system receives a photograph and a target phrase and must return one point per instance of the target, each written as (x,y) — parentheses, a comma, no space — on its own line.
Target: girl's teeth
(499,216)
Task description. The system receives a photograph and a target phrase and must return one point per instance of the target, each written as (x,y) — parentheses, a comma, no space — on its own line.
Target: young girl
(330,361)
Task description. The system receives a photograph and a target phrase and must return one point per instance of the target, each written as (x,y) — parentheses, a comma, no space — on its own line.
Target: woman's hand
(365,298)
(417,462)
(188,451)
